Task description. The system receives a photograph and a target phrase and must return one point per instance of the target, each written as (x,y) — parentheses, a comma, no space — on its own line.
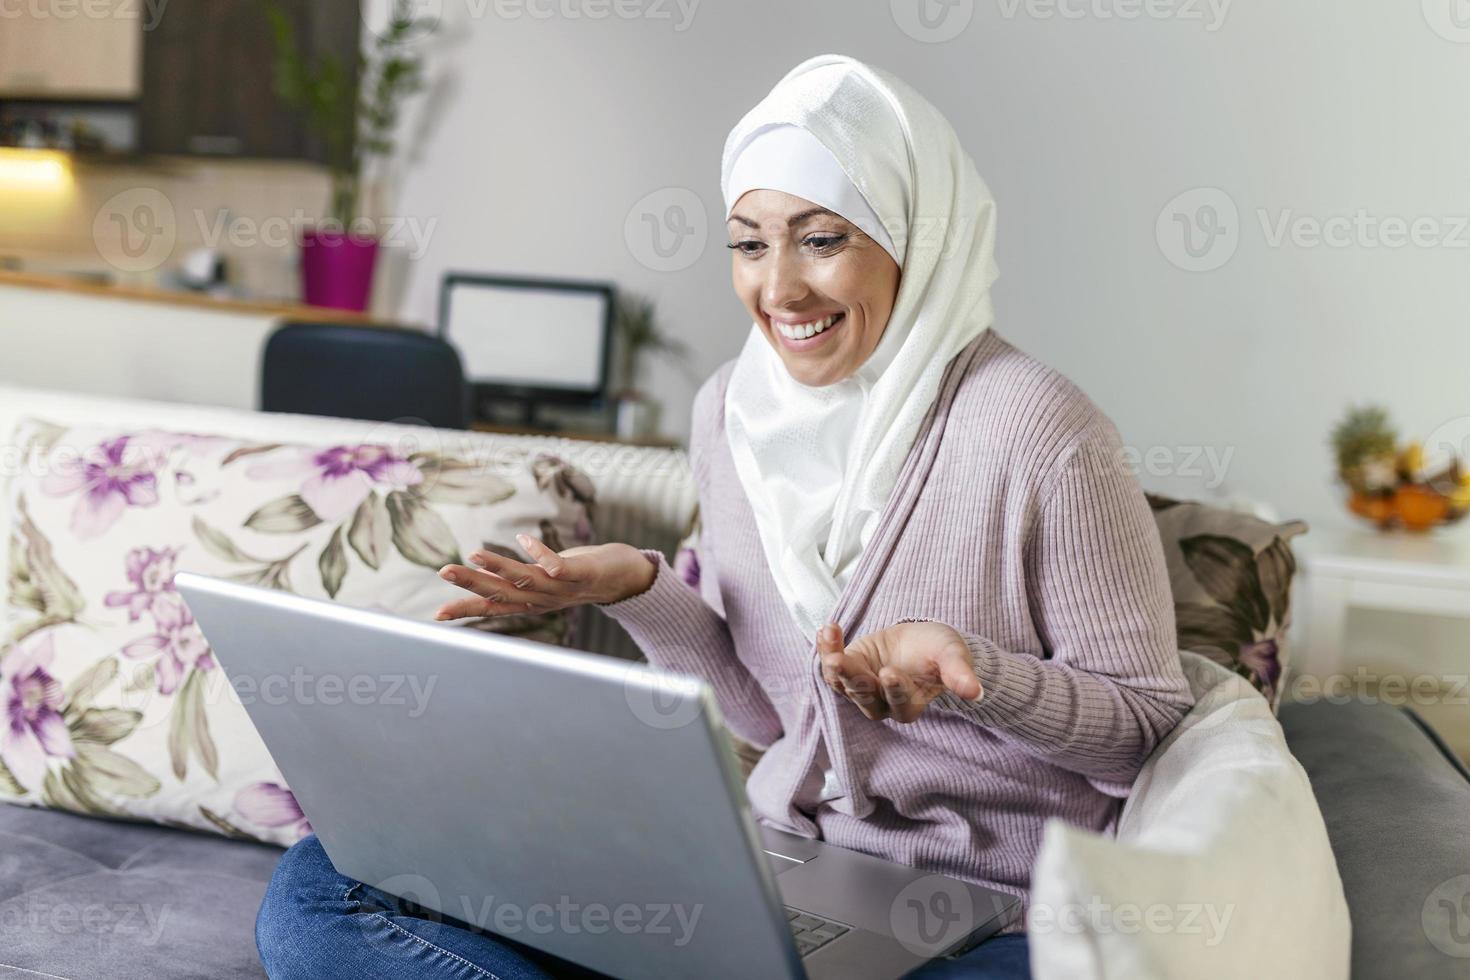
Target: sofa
(85,897)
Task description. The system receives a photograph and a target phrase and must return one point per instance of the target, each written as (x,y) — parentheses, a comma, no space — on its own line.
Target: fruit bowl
(1393,487)
(1411,506)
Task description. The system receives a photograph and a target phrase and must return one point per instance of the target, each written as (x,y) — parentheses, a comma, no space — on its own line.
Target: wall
(552,133)
(546,134)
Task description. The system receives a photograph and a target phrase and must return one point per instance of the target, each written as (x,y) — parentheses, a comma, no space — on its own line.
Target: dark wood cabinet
(209,77)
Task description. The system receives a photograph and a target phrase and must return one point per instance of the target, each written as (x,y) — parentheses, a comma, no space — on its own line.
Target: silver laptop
(585,806)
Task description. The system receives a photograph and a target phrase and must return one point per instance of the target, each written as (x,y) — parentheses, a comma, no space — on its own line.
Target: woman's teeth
(801,331)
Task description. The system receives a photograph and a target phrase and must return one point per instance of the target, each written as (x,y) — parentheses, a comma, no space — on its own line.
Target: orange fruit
(1419,507)
(1374,508)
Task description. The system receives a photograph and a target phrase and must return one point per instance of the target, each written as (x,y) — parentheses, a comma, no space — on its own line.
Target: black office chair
(381,374)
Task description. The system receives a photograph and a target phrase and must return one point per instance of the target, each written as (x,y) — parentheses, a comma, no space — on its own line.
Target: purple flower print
(686,566)
(340,478)
(34,729)
(178,644)
(111,476)
(271,805)
(1261,658)
(152,575)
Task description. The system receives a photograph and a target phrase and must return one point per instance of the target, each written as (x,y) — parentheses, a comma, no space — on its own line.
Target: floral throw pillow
(114,704)
(1231,576)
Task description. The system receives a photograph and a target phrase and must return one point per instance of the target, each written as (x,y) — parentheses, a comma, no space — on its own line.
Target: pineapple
(1364,443)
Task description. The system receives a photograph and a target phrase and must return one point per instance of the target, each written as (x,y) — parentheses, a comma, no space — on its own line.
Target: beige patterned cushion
(1231,576)
(114,704)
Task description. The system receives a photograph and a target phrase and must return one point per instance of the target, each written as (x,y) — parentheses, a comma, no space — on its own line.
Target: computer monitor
(529,341)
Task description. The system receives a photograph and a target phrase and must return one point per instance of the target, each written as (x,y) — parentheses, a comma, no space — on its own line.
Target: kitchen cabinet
(208,77)
(82,50)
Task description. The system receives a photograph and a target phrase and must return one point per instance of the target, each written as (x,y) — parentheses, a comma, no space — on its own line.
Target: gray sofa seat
(1397,806)
(82,897)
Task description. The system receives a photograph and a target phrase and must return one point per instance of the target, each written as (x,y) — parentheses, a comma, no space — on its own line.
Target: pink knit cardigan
(1014,522)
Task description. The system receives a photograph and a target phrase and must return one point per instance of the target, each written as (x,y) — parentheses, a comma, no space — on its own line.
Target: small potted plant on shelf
(1391,486)
(354,109)
(636,330)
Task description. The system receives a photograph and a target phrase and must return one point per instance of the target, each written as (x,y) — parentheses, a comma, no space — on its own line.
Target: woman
(946,614)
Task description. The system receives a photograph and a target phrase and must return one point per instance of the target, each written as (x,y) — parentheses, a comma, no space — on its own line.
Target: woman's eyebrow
(792,221)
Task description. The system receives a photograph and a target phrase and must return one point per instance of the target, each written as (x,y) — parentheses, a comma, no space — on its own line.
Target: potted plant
(636,329)
(354,109)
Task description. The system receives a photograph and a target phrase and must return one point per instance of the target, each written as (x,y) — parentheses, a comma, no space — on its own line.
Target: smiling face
(797,267)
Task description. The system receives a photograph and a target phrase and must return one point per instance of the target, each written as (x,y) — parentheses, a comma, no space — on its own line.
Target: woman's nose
(784,285)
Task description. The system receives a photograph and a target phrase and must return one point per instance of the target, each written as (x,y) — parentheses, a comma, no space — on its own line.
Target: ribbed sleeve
(1014,523)
(678,631)
(1111,686)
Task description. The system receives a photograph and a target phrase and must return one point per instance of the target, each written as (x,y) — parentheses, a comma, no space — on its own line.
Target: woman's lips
(814,341)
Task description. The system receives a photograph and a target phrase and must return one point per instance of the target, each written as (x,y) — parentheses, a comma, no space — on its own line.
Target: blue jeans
(319,925)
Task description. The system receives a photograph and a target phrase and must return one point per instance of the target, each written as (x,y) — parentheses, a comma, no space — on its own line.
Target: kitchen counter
(267,308)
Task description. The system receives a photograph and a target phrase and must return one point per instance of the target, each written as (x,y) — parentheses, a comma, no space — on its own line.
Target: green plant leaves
(1226,569)
(419,534)
(458,481)
(371,531)
(1212,627)
(245,451)
(83,689)
(9,786)
(188,729)
(284,516)
(333,563)
(217,543)
(103,769)
(104,726)
(226,827)
(36,582)
(1275,566)
(96,772)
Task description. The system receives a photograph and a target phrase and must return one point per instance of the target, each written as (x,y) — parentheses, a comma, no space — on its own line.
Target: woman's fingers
(906,700)
(461,608)
(896,674)
(491,586)
(555,565)
(957,671)
(517,573)
(848,675)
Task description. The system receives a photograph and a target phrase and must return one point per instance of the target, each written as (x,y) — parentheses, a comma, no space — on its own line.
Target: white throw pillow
(1221,866)
(112,701)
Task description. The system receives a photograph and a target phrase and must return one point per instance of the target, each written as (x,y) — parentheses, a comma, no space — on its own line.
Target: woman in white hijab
(818,446)
(863,241)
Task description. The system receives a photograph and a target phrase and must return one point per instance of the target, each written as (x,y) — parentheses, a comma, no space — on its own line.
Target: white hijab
(818,463)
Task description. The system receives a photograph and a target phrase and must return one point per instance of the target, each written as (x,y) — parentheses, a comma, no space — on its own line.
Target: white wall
(547,130)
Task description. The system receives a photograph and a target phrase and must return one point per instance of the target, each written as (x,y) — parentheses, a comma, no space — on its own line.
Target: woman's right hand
(501,586)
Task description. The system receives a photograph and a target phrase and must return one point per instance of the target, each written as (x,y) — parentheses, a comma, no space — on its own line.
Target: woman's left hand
(895,673)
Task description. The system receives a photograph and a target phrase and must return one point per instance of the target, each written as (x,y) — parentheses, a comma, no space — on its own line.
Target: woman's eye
(825,243)
(740,246)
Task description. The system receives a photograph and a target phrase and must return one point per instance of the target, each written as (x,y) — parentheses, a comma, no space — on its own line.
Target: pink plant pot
(337,269)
